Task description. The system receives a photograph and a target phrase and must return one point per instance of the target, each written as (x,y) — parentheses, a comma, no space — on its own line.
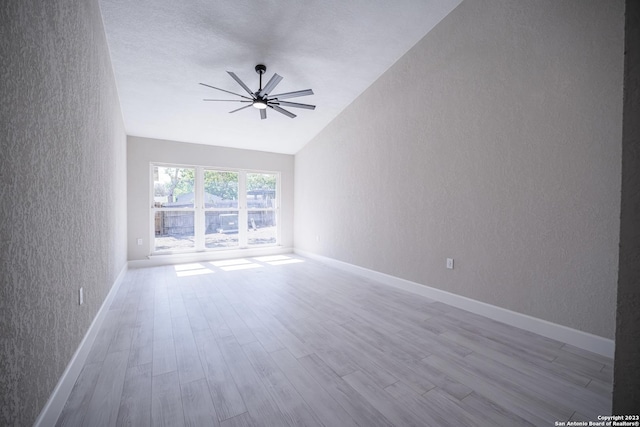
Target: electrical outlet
(450,263)
(81,296)
(139,242)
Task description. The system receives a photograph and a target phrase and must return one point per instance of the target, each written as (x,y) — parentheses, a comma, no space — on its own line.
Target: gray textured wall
(494,141)
(62,192)
(626,384)
(142,151)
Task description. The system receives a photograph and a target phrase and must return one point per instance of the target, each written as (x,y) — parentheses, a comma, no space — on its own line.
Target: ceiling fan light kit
(261,99)
(260,104)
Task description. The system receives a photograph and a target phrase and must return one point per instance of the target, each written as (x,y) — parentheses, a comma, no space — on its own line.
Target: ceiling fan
(261,99)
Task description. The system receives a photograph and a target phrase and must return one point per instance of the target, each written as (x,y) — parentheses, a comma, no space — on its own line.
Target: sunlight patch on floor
(193,269)
(235,264)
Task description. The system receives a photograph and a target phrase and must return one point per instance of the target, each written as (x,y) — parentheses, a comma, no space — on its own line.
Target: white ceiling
(162,49)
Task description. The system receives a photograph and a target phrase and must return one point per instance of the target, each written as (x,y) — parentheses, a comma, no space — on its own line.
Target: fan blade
(273,82)
(241,108)
(283,111)
(263,114)
(293,94)
(293,104)
(232,93)
(241,83)
(227,100)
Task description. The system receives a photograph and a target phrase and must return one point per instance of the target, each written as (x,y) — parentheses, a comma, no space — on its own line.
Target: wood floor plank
(164,357)
(142,342)
(105,402)
(317,339)
(324,405)
(394,368)
(262,333)
(317,302)
(104,337)
(161,302)
(393,345)
(124,334)
(509,354)
(162,328)
(588,354)
(241,332)
(289,340)
(497,414)
(433,343)
(358,354)
(534,344)
(540,395)
(197,404)
(166,400)
(270,301)
(198,322)
(604,389)
(393,312)
(457,413)
(242,420)
(256,397)
(563,395)
(428,411)
(608,371)
(577,416)
(214,319)
(120,297)
(176,305)
(187,358)
(394,410)
(362,312)
(224,392)
(291,404)
(78,403)
(582,365)
(517,403)
(135,404)
(363,412)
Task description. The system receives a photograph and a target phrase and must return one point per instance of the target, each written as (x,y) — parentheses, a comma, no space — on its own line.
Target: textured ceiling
(162,49)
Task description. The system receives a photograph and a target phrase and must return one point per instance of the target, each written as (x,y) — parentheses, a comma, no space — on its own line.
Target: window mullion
(199,209)
(242,209)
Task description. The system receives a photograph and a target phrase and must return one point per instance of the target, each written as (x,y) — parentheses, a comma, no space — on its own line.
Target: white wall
(496,141)
(62,191)
(143,151)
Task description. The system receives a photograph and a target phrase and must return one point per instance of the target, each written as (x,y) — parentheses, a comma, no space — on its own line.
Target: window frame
(199,208)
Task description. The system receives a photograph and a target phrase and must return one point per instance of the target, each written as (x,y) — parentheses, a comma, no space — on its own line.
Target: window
(174,208)
(197,208)
(261,208)
(221,209)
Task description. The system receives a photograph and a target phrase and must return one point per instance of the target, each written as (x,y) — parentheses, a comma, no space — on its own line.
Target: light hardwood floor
(285,341)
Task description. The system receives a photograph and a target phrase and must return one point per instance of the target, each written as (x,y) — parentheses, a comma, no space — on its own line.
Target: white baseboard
(156,260)
(584,340)
(54,406)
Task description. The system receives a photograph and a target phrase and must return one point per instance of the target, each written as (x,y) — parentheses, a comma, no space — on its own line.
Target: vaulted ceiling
(162,49)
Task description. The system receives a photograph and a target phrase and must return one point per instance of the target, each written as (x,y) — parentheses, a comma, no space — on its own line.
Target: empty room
(343,213)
